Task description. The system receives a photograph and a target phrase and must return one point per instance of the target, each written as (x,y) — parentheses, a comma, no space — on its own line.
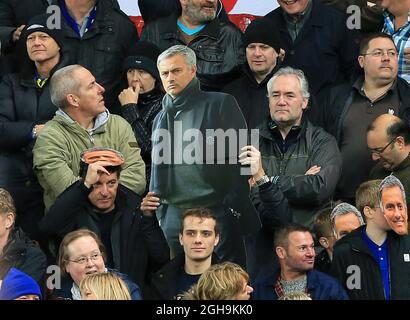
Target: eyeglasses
(379,151)
(380,53)
(83,260)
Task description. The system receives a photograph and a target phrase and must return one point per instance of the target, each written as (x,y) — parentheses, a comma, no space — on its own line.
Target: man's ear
(368,212)
(324,242)
(10,219)
(72,99)
(400,142)
(180,239)
(360,59)
(280,251)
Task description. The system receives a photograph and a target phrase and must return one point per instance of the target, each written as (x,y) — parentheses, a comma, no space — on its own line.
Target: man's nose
(375,156)
(101,88)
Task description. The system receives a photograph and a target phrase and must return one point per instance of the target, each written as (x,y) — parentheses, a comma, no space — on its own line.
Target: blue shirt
(380,253)
(401,38)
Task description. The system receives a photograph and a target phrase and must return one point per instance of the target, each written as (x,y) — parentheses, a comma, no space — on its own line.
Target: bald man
(388,140)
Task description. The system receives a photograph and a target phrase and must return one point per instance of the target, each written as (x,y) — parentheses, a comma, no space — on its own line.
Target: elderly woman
(141,100)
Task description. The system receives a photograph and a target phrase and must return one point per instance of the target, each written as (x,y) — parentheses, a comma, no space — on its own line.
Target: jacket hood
(99,121)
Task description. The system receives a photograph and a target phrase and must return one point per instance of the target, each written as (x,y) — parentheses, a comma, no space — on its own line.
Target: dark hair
(364,44)
(110,169)
(202,213)
(399,128)
(282,235)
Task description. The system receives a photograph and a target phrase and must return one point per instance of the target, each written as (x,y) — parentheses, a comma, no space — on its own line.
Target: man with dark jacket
(372,262)
(262,48)
(199,234)
(25,107)
(316,39)
(16,249)
(98,35)
(134,242)
(348,109)
(14,15)
(388,139)
(295,249)
(302,159)
(209,174)
(217,44)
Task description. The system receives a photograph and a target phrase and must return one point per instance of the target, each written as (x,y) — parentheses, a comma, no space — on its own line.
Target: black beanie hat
(143,56)
(39,24)
(262,31)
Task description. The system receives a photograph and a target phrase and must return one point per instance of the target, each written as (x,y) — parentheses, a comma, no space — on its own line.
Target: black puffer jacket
(103,48)
(218,48)
(23,106)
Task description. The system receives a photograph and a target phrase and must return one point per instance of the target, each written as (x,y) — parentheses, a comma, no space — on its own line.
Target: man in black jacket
(14,15)
(303,160)
(217,44)
(207,175)
(316,40)
(262,48)
(348,109)
(372,262)
(134,242)
(199,234)
(25,107)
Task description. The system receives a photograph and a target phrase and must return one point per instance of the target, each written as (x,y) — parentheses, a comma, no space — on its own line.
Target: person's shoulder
(274,14)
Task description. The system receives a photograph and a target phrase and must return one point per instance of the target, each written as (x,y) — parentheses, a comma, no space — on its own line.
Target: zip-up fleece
(57,152)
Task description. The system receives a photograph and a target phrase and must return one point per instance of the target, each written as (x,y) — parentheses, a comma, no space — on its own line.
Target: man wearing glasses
(347,109)
(388,140)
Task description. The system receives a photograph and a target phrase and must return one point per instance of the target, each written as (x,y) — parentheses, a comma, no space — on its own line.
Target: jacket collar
(266,127)
(211,30)
(187,99)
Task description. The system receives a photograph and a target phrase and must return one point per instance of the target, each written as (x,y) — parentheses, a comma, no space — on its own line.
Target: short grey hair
(390,182)
(342,209)
(186,52)
(63,83)
(287,71)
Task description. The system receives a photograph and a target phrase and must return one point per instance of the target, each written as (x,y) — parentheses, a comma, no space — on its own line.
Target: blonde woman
(104,286)
(225,281)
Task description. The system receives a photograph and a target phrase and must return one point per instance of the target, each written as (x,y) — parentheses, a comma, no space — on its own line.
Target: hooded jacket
(57,152)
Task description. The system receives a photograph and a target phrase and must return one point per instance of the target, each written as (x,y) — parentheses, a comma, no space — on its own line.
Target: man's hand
(37,129)
(150,203)
(313,170)
(251,156)
(129,95)
(94,172)
(17,33)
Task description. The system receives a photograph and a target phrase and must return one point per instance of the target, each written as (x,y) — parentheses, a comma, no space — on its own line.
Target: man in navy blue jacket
(295,249)
(315,38)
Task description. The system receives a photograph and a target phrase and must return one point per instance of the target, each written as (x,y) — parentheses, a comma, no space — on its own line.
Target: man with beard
(295,249)
(347,109)
(217,44)
(388,140)
(378,251)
